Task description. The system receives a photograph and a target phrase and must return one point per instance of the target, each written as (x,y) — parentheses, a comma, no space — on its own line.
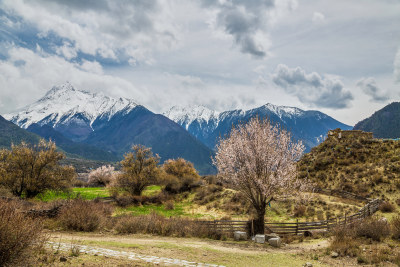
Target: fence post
(297,226)
(327,223)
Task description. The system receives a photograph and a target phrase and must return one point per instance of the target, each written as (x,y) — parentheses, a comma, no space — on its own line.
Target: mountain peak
(190,113)
(64,102)
(67,86)
(283,110)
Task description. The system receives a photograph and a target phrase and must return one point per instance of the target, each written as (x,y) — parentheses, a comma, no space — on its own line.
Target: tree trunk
(137,191)
(259,224)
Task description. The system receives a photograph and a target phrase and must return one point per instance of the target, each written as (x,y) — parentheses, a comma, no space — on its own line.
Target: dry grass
(299,210)
(365,167)
(169,205)
(367,241)
(395,225)
(159,225)
(373,228)
(81,215)
(20,236)
(387,207)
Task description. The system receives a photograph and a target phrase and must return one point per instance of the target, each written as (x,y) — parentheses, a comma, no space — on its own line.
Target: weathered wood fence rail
(297,227)
(340,193)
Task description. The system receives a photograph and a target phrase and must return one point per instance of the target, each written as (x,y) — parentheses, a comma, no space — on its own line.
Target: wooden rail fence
(306,228)
(340,193)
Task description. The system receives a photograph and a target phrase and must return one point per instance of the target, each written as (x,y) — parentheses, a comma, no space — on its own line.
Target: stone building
(350,134)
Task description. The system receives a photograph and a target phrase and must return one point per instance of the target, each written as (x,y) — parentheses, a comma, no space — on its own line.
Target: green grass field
(88,193)
(148,209)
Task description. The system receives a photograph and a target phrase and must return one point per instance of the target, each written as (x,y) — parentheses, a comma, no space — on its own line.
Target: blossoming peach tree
(259,159)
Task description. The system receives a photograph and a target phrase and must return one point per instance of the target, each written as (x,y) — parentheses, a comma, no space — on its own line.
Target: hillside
(79,149)
(12,134)
(366,166)
(166,138)
(384,123)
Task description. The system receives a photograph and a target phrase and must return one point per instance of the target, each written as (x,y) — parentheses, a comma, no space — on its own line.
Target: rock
(269,236)
(238,235)
(275,241)
(63,259)
(259,239)
(383,219)
(307,264)
(334,254)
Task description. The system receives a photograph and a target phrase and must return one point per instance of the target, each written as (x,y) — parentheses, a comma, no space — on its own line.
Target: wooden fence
(340,193)
(297,227)
(226,226)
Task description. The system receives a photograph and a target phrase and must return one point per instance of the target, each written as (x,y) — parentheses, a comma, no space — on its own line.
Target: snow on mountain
(282,111)
(208,126)
(64,103)
(185,116)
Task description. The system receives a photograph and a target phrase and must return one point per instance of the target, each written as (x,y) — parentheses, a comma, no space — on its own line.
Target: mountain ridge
(63,105)
(300,122)
(384,123)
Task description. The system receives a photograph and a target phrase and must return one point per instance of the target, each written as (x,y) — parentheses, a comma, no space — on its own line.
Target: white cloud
(311,88)
(101,28)
(91,66)
(370,88)
(318,17)
(397,66)
(186,52)
(26,76)
(67,50)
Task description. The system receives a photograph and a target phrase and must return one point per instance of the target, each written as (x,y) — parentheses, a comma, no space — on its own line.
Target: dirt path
(224,246)
(194,251)
(129,255)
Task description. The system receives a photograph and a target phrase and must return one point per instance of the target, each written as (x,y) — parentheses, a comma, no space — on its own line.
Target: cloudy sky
(341,57)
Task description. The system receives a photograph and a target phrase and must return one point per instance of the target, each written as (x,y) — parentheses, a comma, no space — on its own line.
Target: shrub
(139,169)
(386,207)
(4,192)
(374,228)
(344,241)
(81,215)
(180,176)
(101,176)
(174,185)
(28,170)
(20,237)
(180,168)
(310,211)
(299,211)
(395,225)
(126,200)
(159,225)
(169,205)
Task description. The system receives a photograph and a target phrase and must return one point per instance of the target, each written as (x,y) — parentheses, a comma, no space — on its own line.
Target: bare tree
(139,169)
(259,159)
(27,170)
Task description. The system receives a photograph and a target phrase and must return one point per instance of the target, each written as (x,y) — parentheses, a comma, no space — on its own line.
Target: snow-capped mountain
(208,125)
(185,116)
(64,106)
(85,124)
